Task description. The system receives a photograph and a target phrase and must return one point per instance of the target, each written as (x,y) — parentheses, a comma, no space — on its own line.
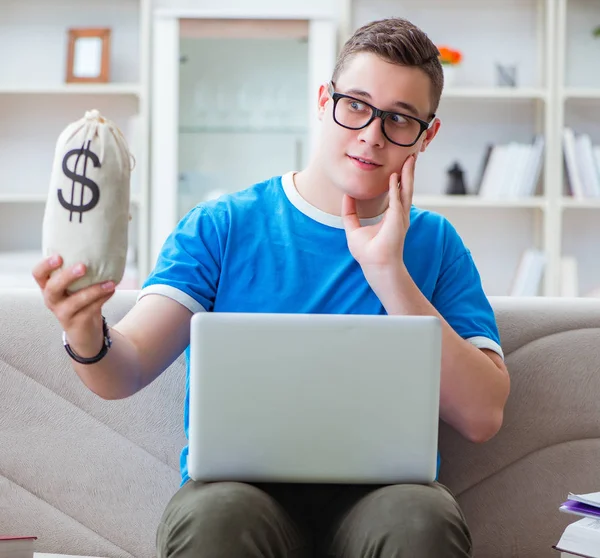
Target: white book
(508,176)
(531,174)
(591,498)
(518,159)
(528,276)
(569,280)
(596,152)
(581,538)
(490,186)
(587,166)
(571,165)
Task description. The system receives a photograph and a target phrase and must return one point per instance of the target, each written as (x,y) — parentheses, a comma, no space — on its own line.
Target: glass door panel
(243,104)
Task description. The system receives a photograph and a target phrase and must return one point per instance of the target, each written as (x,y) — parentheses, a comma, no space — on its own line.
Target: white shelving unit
(36,105)
(476,113)
(578,107)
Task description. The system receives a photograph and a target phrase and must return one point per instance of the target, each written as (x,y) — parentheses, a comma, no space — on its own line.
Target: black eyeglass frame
(375,112)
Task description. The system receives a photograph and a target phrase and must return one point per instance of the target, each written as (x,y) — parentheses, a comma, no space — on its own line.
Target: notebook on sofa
(586,505)
(581,538)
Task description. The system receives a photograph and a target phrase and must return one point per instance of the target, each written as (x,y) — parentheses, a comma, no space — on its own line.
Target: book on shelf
(581,538)
(16,547)
(582,165)
(529,274)
(569,278)
(511,171)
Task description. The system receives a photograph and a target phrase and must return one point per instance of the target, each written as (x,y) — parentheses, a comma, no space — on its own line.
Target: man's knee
(224,520)
(422,510)
(405,520)
(424,519)
(210,519)
(211,507)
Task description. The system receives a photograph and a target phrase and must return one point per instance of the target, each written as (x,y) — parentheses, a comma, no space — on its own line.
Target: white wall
(34,31)
(583,50)
(487,31)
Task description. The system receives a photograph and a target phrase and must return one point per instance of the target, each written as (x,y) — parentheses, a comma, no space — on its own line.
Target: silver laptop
(314,398)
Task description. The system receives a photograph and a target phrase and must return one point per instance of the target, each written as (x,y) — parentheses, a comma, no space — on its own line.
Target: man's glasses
(355,114)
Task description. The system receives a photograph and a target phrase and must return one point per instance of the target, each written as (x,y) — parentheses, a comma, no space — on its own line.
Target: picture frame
(88,56)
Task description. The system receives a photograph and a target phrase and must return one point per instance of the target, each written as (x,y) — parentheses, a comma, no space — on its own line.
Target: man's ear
(430,134)
(323,99)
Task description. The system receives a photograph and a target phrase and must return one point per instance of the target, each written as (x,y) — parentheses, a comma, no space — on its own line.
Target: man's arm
(144,343)
(474,384)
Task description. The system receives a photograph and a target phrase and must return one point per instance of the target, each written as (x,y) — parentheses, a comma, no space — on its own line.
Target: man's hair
(398,41)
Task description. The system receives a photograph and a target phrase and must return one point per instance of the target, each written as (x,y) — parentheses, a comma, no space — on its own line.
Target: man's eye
(398,119)
(357,106)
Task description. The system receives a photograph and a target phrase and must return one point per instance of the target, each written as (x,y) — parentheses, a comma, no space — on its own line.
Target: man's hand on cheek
(379,248)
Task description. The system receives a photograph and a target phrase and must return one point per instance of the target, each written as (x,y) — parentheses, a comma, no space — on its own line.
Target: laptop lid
(314,398)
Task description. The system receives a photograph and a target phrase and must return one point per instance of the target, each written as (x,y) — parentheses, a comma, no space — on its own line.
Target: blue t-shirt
(266,249)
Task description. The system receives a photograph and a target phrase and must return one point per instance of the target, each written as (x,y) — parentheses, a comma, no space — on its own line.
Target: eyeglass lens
(355,114)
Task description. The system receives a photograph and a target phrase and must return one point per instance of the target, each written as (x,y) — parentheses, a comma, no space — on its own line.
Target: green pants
(235,520)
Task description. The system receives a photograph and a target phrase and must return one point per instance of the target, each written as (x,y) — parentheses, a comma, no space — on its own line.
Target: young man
(341,236)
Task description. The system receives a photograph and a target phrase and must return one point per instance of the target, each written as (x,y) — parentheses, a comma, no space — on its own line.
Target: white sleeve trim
(175,294)
(486,343)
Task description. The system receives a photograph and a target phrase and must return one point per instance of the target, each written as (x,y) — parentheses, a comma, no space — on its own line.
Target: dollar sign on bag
(82,179)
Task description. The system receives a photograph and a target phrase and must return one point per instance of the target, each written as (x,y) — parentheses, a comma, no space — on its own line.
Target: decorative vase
(449,75)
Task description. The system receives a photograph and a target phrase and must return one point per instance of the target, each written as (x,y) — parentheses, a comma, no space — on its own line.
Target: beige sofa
(91,477)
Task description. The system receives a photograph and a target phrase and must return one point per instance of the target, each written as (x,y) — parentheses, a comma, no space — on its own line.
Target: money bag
(86,217)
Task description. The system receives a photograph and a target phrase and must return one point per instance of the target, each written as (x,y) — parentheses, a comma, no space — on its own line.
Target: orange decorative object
(449,56)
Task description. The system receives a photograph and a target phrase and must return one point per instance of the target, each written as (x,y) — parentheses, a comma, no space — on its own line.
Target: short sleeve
(459,297)
(189,264)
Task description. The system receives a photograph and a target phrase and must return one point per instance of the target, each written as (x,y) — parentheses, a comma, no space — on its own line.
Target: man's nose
(372,134)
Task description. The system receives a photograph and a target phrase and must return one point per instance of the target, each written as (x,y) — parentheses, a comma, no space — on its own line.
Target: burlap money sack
(87,212)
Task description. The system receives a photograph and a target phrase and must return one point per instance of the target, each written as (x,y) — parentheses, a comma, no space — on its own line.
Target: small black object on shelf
(456,181)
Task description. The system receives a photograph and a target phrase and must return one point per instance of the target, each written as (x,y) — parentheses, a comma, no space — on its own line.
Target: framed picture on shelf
(88,57)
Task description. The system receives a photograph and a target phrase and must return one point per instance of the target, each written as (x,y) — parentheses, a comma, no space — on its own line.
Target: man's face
(386,86)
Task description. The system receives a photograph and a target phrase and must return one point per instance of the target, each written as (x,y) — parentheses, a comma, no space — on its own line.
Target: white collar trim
(294,197)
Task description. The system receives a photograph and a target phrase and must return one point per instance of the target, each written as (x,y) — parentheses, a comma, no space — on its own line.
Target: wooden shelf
(477,201)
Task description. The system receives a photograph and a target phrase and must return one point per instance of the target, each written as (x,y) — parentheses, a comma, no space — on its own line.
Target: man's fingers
(349,215)
(407,183)
(56,286)
(41,272)
(394,192)
(87,300)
